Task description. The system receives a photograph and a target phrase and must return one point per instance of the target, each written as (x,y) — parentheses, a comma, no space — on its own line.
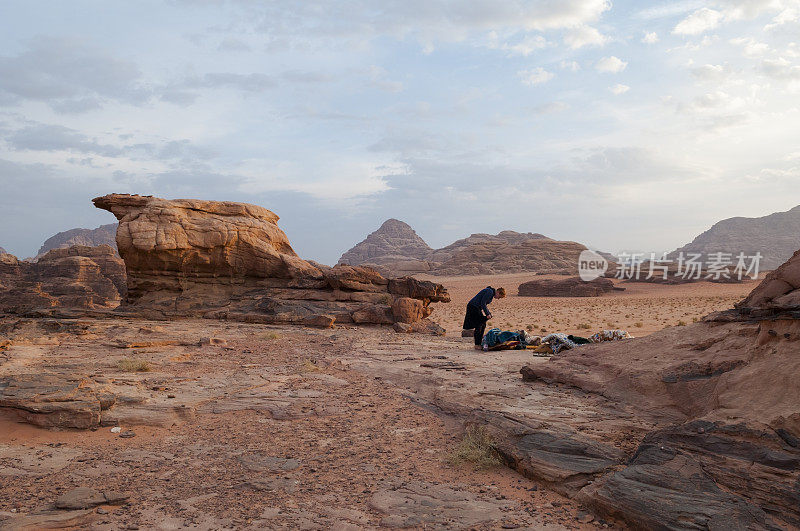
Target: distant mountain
(102,235)
(776,237)
(507,237)
(394,244)
(396,249)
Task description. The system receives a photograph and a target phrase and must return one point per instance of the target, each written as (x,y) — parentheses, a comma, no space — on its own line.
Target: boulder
(53,400)
(778,292)
(230,260)
(568,287)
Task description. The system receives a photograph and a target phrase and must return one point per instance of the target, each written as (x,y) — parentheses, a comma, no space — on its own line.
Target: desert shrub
(584,326)
(272,336)
(477,448)
(681,323)
(132,365)
(638,324)
(309,366)
(529,328)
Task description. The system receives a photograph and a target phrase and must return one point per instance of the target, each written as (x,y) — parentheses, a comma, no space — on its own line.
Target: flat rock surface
(273,428)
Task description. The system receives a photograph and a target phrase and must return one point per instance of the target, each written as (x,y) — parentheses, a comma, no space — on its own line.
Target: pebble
(127,434)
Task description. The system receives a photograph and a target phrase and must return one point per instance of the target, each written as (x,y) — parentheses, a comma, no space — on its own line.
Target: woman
(478,312)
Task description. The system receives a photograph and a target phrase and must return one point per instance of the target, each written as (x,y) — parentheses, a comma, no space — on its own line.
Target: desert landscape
(378,264)
(228,383)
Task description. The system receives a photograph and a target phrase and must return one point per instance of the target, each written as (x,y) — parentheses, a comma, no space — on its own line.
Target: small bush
(477,448)
(638,324)
(529,328)
(131,365)
(272,336)
(309,366)
(584,326)
(681,323)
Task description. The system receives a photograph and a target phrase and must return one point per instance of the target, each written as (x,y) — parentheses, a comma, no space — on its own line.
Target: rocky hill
(394,244)
(539,255)
(102,235)
(775,236)
(3,251)
(76,277)
(395,249)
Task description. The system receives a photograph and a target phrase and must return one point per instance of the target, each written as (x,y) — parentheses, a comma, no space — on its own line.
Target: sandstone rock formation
(395,245)
(568,287)
(396,249)
(76,277)
(102,235)
(539,255)
(778,294)
(774,236)
(53,400)
(230,260)
(3,251)
(722,408)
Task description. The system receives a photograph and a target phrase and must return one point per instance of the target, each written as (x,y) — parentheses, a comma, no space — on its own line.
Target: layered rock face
(396,249)
(76,277)
(774,236)
(568,287)
(722,403)
(394,246)
(778,294)
(539,255)
(102,235)
(224,259)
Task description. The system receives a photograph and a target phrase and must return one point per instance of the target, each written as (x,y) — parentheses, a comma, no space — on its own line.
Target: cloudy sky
(621,125)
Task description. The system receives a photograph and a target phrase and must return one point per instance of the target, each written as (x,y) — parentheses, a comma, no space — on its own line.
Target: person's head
(499,293)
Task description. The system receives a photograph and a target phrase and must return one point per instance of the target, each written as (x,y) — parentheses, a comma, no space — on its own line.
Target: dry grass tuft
(477,448)
(132,365)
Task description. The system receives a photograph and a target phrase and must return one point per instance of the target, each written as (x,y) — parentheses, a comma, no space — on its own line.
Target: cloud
(379,78)
(583,35)
(698,22)
(524,47)
(317,23)
(710,72)
(781,69)
(572,66)
(535,76)
(253,82)
(611,64)
(70,75)
(650,37)
(750,46)
(232,44)
(619,88)
(45,137)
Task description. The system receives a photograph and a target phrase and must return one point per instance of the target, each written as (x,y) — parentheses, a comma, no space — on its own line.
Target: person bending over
(478,312)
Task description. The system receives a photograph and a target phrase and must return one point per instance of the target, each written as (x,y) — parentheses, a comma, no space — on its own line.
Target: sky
(624,125)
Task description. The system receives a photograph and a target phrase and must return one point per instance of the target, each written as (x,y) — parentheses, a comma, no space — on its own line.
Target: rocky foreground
(275,410)
(247,426)
(250,426)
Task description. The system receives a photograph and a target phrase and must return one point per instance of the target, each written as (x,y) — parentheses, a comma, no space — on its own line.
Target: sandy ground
(641,309)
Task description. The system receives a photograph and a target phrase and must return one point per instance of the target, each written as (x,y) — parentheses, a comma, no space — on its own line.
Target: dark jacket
(483,298)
